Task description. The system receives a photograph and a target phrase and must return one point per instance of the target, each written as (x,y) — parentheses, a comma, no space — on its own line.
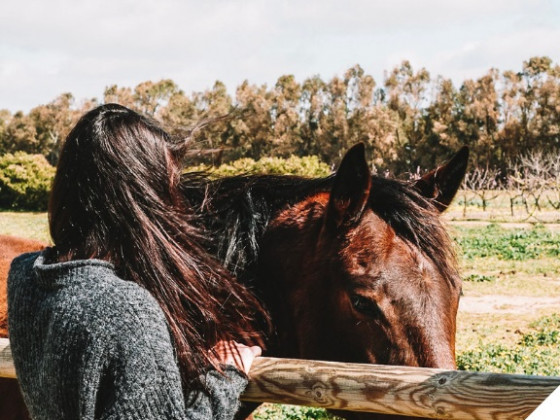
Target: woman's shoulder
(89,288)
(24,262)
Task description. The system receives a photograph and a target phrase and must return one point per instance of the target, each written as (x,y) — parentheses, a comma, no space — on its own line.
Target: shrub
(479,278)
(308,166)
(291,412)
(538,360)
(508,244)
(536,353)
(547,334)
(25,181)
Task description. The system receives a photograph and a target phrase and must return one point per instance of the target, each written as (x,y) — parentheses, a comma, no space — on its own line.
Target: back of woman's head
(114,167)
(115,197)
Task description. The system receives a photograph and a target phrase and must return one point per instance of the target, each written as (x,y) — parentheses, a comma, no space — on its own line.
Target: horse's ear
(350,190)
(442,183)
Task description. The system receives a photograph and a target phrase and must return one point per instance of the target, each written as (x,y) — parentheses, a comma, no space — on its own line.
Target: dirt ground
(507,304)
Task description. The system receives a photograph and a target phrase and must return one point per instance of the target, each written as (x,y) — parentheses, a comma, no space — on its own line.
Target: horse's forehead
(373,243)
(372,233)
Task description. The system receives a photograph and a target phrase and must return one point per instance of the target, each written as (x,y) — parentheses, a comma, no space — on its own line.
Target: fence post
(404,390)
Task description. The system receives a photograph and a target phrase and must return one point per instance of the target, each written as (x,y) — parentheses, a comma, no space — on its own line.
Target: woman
(126,316)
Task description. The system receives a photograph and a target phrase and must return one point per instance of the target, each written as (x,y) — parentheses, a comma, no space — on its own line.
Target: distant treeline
(410,120)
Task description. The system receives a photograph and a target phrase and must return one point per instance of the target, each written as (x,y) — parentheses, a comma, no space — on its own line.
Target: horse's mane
(235,212)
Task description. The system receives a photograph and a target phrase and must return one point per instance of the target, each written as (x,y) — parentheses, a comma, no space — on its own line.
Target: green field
(25,225)
(509,317)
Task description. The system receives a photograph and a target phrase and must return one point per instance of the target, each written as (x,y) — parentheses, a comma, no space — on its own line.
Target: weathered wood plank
(421,392)
(7,369)
(409,391)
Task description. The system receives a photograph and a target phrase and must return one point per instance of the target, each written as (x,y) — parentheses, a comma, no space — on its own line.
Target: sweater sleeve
(143,375)
(223,391)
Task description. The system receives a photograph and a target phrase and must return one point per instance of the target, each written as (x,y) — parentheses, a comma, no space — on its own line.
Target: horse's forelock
(416,220)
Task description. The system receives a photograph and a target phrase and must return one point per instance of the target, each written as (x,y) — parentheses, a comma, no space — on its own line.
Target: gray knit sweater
(89,345)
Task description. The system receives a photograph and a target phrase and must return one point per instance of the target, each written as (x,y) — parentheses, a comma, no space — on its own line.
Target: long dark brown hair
(115,197)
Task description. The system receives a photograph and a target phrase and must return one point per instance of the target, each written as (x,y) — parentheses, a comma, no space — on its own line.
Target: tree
(313,106)
(334,139)
(479,117)
(213,128)
(5,117)
(483,182)
(52,124)
(285,116)
(119,95)
(531,115)
(441,125)
(149,96)
(251,132)
(180,114)
(406,92)
(21,135)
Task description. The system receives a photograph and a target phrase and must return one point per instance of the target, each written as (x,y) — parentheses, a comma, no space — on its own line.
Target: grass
(25,224)
(536,352)
(507,244)
(496,259)
(291,412)
(537,277)
(477,330)
(506,261)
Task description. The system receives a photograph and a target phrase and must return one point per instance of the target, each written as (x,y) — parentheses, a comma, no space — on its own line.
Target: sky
(48,47)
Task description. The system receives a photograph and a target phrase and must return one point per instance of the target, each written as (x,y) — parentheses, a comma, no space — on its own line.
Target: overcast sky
(48,47)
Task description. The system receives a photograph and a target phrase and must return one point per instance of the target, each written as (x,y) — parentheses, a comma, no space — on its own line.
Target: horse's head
(367,270)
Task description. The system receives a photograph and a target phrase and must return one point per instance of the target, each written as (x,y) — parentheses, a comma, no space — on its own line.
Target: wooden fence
(421,392)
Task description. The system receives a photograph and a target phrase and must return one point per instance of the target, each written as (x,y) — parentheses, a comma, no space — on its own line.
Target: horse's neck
(287,270)
(236,212)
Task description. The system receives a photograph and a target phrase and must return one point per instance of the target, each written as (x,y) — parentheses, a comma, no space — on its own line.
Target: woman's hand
(236,354)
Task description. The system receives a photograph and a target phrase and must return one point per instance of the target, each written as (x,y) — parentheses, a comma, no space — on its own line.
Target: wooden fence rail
(421,392)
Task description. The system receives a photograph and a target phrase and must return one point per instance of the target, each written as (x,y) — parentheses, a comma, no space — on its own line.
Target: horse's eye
(365,306)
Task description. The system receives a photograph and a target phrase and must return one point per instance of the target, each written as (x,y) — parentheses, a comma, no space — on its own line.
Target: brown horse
(353,267)
(11,401)
(11,247)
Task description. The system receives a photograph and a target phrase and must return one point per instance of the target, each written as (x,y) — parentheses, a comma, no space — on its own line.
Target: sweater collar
(61,273)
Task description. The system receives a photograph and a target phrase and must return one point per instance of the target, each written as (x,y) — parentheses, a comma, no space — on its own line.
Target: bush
(536,353)
(479,278)
(308,166)
(25,181)
(508,244)
(291,412)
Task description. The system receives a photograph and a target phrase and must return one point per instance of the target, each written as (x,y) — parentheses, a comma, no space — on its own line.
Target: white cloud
(50,47)
(504,51)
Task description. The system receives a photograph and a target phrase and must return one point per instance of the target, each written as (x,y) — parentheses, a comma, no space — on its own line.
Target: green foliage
(291,412)
(547,322)
(25,224)
(409,120)
(536,353)
(308,166)
(508,244)
(479,278)
(547,334)
(25,181)
(541,338)
(542,360)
